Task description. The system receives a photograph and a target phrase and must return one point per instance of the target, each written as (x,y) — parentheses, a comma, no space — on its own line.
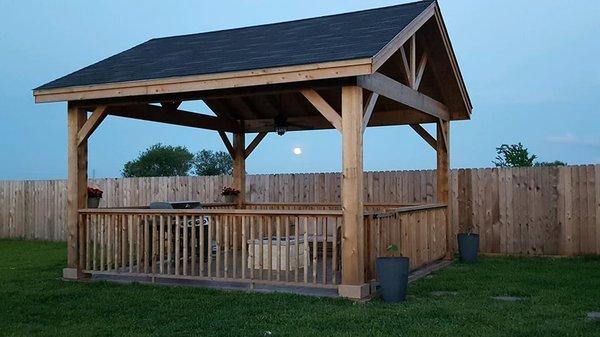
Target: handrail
(389,213)
(209,211)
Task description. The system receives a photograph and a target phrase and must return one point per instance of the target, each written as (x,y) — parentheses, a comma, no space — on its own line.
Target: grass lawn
(558,293)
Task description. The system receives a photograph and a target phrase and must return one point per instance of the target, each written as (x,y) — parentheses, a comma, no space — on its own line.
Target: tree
(209,163)
(550,163)
(160,161)
(515,155)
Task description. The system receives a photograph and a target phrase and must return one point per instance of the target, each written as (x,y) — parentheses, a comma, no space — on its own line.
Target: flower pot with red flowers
(229,194)
(93,197)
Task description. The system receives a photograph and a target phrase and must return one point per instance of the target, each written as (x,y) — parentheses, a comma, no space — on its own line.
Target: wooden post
(239,167)
(76,193)
(353,273)
(443,179)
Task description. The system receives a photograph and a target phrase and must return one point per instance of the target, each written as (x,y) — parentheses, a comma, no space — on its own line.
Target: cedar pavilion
(379,67)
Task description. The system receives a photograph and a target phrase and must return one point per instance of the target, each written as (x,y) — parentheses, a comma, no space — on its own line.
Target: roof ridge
(291,21)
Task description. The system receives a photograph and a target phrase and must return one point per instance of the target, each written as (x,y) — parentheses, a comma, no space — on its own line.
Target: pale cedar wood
(324,108)
(356,114)
(257,139)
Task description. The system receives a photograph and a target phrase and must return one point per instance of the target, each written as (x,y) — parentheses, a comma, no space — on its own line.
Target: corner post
(353,273)
(443,179)
(239,167)
(76,193)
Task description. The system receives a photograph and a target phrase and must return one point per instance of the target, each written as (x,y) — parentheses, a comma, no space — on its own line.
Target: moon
(297,151)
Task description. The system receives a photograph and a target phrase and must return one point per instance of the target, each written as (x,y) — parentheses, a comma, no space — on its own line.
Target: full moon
(297,151)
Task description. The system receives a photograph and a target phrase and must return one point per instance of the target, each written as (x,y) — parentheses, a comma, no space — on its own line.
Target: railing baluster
(116,241)
(252,248)
(146,244)
(306,251)
(154,243)
(260,248)
(87,227)
(138,242)
(169,225)
(124,242)
(218,230)
(193,244)
(334,252)
(244,246)
(269,247)
(211,219)
(315,253)
(325,237)
(297,245)
(235,222)
(131,244)
(161,242)
(185,244)
(226,246)
(202,228)
(177,243)
(287,248)
(94,260)
(279,262)
(109,231)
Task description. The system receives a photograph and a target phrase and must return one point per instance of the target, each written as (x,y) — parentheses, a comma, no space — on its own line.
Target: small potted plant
(392,272)
(93,197)
(229,194)
(468,245)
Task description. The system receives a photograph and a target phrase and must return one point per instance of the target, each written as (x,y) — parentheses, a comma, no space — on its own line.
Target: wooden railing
(419,232)
(298,247)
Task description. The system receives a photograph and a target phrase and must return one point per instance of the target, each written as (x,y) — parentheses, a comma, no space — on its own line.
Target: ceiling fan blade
(301,126)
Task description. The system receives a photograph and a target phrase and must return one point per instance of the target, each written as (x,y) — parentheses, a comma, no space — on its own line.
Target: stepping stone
(593,316)
(508,298)
(444,293)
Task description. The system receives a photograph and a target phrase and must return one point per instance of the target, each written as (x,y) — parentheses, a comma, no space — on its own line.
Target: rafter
(406,66)
(155,113)
(91,124)
(227,143)
(323,107)
(259,137)
(399,92)
(369,107)
(420,71)
(425,135)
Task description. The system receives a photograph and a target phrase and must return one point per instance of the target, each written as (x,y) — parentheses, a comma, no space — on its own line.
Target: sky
(531,69)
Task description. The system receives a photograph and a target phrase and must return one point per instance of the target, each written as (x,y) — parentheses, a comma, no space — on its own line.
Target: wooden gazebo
(380,67)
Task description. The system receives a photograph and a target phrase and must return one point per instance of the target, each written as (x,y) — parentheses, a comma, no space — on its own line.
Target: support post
(239,167)
(76,193)
(353,273)
(443,179)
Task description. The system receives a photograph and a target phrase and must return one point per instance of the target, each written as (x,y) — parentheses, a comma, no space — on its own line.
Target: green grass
(558,294)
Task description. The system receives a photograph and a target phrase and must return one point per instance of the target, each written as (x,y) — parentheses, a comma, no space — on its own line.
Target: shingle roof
(329,38)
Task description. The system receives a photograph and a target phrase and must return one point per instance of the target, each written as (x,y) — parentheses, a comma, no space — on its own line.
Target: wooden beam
(187,84)
(239,168)
(425,135)
(443,182)
(91,124)
(352,187)
(442,133)
(399,92)
(420,71)
(406,67)
(371,102)
(324,108)
(259,137)
(155,113)
(398,41)
(227,143)
(413,61)
(76,192)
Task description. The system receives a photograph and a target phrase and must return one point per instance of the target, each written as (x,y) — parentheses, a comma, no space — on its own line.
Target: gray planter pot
(93,202)
(392,273)
(468,247)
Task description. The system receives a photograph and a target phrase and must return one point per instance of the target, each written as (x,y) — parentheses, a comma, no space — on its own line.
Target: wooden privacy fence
(527,211)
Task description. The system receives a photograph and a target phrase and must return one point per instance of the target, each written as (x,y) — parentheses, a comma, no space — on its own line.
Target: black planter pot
(392,273)
(468,247)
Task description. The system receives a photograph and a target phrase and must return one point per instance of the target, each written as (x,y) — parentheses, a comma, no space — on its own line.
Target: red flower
(229,191)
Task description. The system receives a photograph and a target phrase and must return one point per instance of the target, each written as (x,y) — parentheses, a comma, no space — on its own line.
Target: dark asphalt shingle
(330,38)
